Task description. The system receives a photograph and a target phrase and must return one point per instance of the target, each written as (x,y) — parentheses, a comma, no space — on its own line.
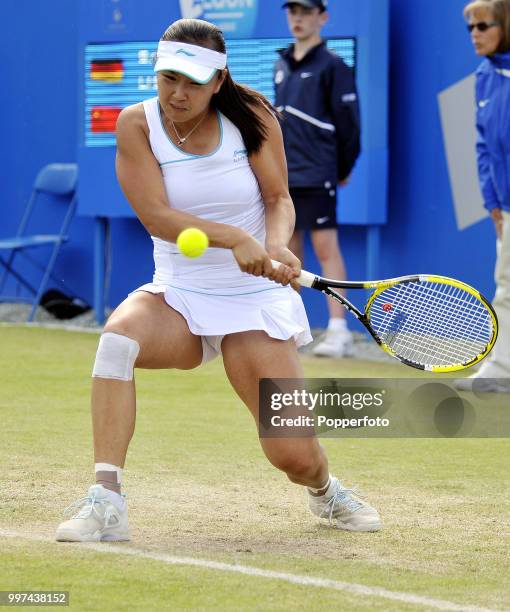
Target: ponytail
(238,103)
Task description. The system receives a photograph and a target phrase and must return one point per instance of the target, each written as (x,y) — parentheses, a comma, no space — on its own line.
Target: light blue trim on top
(189,155)
(227,294)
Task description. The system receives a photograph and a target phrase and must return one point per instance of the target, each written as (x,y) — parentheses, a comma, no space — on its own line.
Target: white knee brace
(115,357)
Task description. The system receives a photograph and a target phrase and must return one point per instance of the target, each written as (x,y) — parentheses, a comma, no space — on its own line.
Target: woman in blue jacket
(489,24)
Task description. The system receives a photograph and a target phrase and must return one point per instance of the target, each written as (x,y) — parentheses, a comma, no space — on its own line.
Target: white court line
(349,587)
(60,326)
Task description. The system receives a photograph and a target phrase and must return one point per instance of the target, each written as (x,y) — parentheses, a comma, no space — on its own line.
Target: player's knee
(116,356)
(326,252)
(296,466)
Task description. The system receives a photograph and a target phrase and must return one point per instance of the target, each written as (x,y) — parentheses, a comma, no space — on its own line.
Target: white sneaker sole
(70,535)
(348,352)
(370,527)
(480,386)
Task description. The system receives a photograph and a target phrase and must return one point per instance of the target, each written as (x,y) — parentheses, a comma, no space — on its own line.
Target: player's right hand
(288,272)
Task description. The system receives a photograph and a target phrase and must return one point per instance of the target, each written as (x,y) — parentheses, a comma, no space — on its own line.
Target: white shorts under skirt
(279,312)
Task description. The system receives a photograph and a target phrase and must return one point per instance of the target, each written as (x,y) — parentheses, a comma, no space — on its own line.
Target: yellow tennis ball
(192,242)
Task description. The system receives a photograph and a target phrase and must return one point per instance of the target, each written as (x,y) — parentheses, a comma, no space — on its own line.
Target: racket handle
(305,279)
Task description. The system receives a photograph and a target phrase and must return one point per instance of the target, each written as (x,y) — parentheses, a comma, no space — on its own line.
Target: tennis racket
(428,322)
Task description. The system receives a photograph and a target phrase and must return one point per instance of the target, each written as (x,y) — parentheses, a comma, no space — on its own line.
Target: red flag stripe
(104,118)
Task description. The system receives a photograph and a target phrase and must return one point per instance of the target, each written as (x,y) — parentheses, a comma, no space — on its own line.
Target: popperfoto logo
(289,407)
(327,409)
(231,16)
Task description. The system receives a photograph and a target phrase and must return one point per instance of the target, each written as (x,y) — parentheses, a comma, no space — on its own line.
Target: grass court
(199,489)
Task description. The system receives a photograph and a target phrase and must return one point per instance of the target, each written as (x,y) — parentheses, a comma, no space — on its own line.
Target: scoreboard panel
(120,74)
(117,42)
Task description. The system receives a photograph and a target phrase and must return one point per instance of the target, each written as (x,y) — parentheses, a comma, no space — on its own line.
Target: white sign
(457,108)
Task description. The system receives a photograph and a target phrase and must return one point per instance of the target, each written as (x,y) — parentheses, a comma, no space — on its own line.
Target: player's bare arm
(270,167)
(140,178)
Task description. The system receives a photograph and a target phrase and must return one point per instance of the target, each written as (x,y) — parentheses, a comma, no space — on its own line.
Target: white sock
(326,486)
(337,324)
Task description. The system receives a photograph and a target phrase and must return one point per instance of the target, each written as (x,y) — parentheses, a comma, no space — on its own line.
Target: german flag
(104,118)
(109,70)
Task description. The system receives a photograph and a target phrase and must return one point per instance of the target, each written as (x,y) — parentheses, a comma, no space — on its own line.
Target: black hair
(237,102)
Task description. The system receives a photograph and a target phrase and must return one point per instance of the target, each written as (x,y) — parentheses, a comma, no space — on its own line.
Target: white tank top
(220,187)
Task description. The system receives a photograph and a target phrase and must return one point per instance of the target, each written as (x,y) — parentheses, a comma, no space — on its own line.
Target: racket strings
(430,323)
(469,310)
(421,346)
(446,325)
(440,339)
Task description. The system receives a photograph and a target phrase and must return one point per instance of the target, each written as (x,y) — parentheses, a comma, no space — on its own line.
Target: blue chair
(57,180)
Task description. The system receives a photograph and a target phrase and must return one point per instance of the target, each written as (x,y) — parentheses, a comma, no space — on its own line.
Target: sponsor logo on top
(239,155)
(232,16)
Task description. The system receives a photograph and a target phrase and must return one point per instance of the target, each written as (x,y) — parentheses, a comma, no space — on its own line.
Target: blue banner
(233,17)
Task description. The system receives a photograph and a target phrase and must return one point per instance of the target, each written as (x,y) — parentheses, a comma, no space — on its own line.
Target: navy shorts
(315,207)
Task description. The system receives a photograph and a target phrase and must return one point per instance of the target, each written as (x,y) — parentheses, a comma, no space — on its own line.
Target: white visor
(197,63)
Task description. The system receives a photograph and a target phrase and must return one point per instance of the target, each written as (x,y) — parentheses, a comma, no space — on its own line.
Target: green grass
(199,486)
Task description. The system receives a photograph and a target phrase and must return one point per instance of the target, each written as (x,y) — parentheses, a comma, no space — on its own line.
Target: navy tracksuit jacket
(321,127)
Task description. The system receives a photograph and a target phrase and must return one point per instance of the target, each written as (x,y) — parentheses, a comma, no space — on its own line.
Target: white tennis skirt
(278,311)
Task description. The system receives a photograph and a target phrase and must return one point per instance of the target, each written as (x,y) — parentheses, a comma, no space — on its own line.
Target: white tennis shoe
(483,385)
(490,378)
(350,512)
(335,343)
(97,520)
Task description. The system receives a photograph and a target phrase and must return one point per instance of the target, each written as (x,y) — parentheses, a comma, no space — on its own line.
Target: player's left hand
(289,271)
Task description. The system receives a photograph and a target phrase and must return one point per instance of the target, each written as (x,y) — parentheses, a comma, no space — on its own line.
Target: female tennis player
(489,24)
(206,153)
